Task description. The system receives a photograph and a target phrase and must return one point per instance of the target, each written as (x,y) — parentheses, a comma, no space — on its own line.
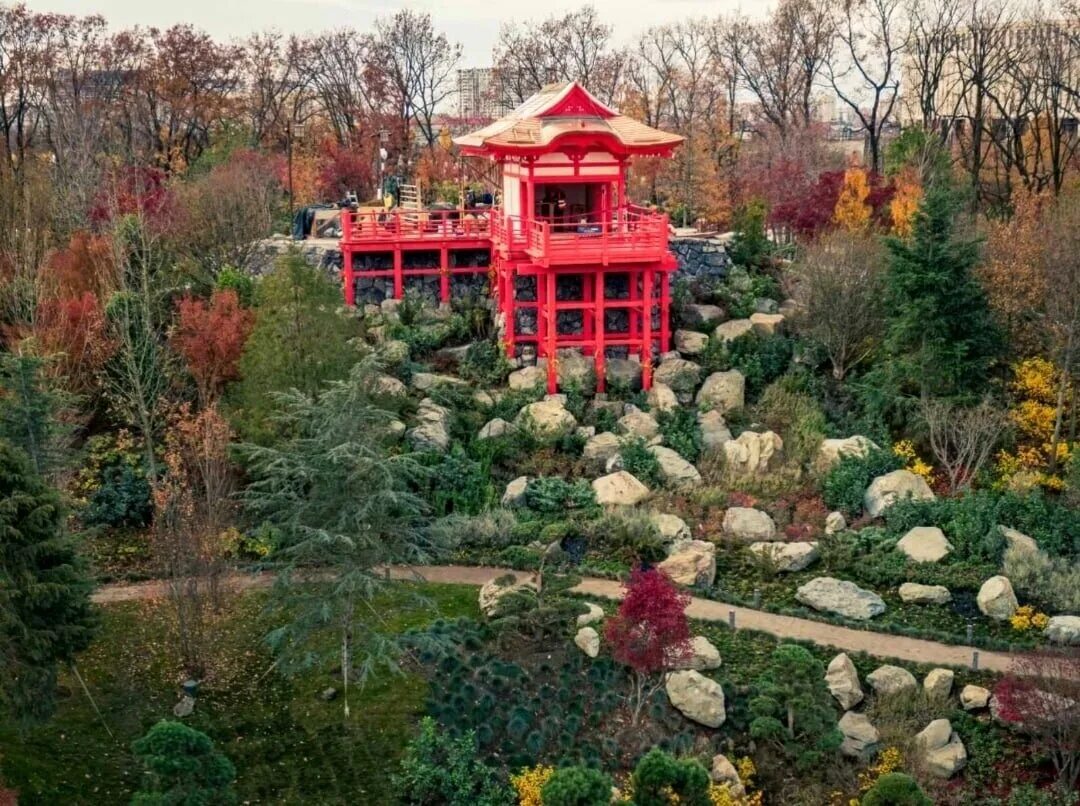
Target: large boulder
(925,544)
(843,681)
(494,590)
(697,697)
(723,773)
(527,378)
(671,528)
(787,557)
(674,469)
(887,681)
(996,599)
(690,342)
(661,397)
(1019,541)
(752,454)
(575,371)
(732,329)
(884,491)
(587,640)
(840,597)
(748,525)
(767,324)
(1064,630)
(638,424)
(725,391)
(432,429)
(835,522)
(495,428)
(514,496)
(592,615)
(943,754)
(546,419)
(831,451)
(691,562)
(714,431)
(598,449)
(860,737)
(623,373)
(914,593)
(702,656)
(938,683)
(389,386)
(619,489)
(680,375)
(429,380)
(697,314)
(972,698)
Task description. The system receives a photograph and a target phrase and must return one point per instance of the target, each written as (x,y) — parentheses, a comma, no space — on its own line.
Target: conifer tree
(183,767)
(940,338)
(28,412)
(45,613)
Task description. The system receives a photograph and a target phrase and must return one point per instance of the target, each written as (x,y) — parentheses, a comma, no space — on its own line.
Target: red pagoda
(571,262)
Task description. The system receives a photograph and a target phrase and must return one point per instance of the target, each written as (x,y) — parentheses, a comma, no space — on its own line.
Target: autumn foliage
(650,633)
(852,211)
(210,336)
(73,333)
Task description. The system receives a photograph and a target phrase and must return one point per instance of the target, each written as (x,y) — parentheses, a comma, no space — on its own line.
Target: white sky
(473,23)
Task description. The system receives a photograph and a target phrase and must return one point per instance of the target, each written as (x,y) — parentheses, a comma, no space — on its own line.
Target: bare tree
(838,289)
(865,70)
(338,68)
(420,64)
(271,78)
(962,437)
(931,41)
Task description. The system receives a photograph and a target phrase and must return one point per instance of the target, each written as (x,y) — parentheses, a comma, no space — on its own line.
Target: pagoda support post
(399,280)
(348,277)
(598,331)
(646,330)
(665,311)
(506,305)
(552,331)
(444,275)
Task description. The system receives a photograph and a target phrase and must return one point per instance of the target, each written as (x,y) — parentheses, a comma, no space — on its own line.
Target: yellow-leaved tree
(852,213)
(907,194)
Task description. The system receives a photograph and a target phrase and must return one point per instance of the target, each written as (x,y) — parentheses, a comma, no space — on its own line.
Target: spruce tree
(28,412)
(182,768)
(941,340)
(45,612)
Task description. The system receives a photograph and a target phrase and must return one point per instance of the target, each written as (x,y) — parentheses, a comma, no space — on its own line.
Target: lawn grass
(289,745)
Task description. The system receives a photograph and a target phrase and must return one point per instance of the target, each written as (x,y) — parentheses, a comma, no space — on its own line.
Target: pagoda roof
(567,111)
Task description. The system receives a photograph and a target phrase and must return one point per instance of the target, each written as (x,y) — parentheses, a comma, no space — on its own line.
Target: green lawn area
(288,744)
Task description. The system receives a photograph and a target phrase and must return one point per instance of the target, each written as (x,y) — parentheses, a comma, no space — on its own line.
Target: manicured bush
(484,363)
(549,495)
(121,499)
(577,786)
(440,769)
(182,768)
(845,484)
(681,432)
(1054,581)
(640,462)
(458,484)
(761,359)
(659,776)
(896,789)
(494,530)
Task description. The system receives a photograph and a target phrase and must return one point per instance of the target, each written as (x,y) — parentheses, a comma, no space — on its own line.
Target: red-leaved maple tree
(650,633)
(210,337)
(74,334)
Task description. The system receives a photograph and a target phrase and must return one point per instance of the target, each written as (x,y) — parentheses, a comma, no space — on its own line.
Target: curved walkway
(882,645)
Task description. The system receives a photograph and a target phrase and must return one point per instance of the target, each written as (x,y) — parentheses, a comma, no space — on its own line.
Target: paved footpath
(880,645)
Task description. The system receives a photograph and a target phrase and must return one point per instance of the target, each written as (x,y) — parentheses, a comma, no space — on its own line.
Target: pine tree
(45,613)
(940,339)
(342,504)
(28,412)
(183,768)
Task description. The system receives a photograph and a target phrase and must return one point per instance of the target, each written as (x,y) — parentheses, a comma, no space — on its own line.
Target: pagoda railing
(631,234)
(389,226)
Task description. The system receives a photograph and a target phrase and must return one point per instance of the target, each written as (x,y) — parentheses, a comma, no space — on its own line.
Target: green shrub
(750,246)
(681,432)
(761,359)
(896,789)
(845,484)
(442,770)
(640,462)
(182,768)
(1054,581)
(230,279)
(797,416)
(494,530)
(576,786)
(659,775)
(458,484)
(631,539)
(121,499)
(485,363)
(550,495)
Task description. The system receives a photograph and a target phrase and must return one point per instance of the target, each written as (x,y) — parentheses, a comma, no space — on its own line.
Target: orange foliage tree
(210,337)
(852,212)
(74,333)
(905,201)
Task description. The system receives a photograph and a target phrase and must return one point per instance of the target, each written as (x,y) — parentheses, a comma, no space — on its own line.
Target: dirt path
(880,645)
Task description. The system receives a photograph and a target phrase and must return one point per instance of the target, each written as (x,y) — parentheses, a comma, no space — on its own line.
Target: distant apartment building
(478,94)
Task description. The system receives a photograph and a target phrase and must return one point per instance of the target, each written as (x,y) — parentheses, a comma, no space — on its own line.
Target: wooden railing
(367,226)
(630,234)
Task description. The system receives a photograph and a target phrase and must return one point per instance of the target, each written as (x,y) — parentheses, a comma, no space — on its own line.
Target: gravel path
(880,645)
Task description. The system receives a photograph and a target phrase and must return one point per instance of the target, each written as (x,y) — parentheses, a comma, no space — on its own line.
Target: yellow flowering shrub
(1033,412)
(891,759)
(1026,618)
(529,782)
(720,794)
(912,461)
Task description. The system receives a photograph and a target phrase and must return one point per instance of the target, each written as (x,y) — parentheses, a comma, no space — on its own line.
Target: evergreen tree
(344,505)
(300,341)
(793,709)
(28,412)
(45,614)
(940,338)
(182,768)
(658,776)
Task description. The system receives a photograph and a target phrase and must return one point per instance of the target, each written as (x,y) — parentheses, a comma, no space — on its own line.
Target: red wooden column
(541,317)
(399,280)
(665,312)
(598,330)
(588,286)
(348,277)
(444,274)
(506,304)
(646,331)
(552,331)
